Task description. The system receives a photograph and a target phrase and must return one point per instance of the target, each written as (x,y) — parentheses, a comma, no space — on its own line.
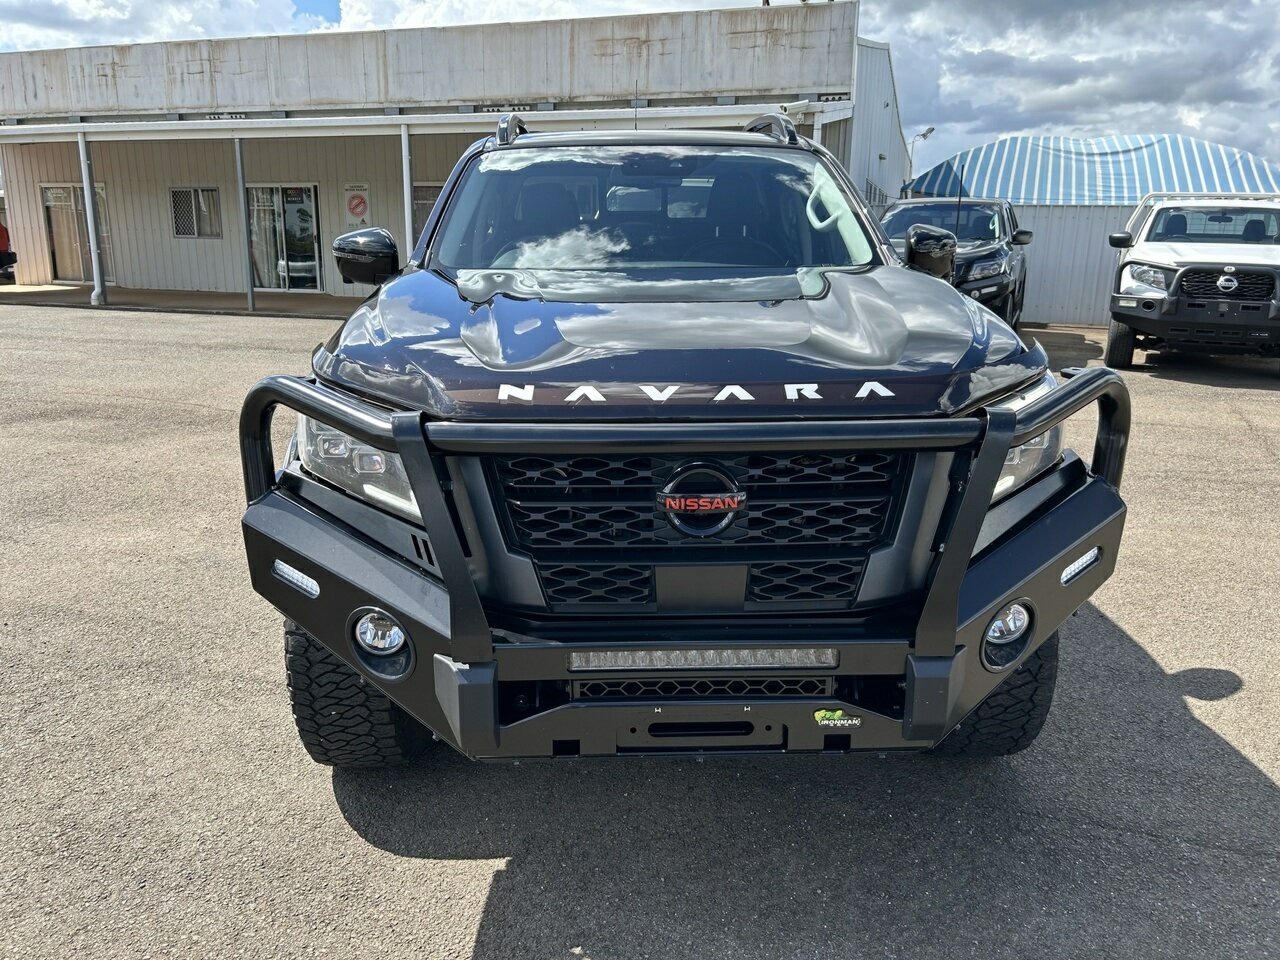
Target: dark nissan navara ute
(654,446)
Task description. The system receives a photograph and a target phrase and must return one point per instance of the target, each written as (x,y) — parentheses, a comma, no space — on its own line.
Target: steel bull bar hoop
(933,669)
(400,433)
(465,680)
(366,423)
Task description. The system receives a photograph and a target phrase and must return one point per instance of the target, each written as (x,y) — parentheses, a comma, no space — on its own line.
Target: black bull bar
(464,669)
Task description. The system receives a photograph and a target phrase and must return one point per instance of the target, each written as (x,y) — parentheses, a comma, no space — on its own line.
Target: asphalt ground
(157,803)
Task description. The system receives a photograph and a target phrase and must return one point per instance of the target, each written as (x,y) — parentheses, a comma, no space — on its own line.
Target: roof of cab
(682,138)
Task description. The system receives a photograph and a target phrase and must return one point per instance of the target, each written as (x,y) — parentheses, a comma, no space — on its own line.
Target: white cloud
(371,14)
(27,25)
(1086,68)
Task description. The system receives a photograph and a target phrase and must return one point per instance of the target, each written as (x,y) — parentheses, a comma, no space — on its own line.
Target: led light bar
(296,579)
(1080,566)
(748,658)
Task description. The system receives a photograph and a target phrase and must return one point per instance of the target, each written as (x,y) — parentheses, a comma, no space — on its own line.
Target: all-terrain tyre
(342,720)
(1011,717)
(1121,342)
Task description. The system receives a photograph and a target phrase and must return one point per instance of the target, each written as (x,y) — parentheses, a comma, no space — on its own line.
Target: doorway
(284,237)
(67,222)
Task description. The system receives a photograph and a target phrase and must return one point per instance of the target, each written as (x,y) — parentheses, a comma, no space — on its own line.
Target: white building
(230,165)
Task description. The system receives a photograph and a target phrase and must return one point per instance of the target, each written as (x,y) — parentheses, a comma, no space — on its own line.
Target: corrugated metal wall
(26,167)
(877,128)
(138,175)
(836,137)
(786,51)
(1070,266)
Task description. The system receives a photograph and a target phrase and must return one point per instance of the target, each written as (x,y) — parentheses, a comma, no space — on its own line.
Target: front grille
(702,688)
(799,581)
(591,527)
(588,502)
(787,582)
(567,583)
(1203,284)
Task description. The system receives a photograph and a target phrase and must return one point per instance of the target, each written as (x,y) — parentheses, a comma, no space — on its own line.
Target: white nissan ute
(1197,273)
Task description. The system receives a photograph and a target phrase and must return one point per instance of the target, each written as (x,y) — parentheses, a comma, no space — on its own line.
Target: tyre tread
(342,720)
(1013,714)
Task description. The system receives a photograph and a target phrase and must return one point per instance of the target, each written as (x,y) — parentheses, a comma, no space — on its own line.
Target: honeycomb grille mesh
(577,502)
(1251,286)
(802,581)
(591,527)
(596,583)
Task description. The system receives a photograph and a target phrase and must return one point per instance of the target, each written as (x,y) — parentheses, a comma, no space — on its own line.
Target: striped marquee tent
(1101,171)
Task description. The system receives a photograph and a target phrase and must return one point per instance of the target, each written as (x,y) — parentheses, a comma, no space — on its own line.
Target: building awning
(1104,170)
(480,124)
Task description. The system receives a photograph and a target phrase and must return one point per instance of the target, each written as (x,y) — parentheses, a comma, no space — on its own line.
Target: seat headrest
(548,208)
(1175,226)
(1255,231)
(734,199)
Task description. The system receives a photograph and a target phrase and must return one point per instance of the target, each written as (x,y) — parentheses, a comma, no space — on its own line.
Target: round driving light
(1006,637)
(1009,624)
(378,633)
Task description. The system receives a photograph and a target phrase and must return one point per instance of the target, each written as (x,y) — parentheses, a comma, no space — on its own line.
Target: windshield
(974,222)
(1215,225)
(707,211)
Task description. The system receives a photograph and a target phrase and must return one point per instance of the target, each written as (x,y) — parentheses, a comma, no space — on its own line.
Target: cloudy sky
(975,69)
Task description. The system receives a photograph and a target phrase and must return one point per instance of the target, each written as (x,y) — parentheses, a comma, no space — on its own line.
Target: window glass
(1226,224)
(970,222)
(208,213)
(196,211)
(716,210)
(425,196)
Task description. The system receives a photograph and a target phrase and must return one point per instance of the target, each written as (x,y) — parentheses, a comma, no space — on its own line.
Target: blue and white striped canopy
(1104,170)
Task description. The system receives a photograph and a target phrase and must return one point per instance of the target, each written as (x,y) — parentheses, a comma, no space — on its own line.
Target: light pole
(911,155)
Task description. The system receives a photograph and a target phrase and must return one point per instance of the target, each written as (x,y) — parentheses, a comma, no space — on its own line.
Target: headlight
(987,268)
(1140,278)
(1022,464)
(366,472)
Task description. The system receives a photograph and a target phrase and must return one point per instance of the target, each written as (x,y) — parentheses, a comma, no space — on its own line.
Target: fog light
(1081,565)
(1009,624)
(378,633)
(1006,637)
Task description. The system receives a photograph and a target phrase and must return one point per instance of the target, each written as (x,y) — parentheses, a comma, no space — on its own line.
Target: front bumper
(988,290)
(1208,324)
(902,676)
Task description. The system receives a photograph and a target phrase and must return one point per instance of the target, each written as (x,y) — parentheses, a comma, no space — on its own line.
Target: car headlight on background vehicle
(366,472)
(982,269)
(1024,463)
(1141,278)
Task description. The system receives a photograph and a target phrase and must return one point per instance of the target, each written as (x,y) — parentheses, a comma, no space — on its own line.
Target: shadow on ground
(1130,829)
(1066,348)
(1252,373)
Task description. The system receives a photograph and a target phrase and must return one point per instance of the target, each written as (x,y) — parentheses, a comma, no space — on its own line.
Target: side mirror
(1022,237)
(366,256)
(932,250)
(1121,241)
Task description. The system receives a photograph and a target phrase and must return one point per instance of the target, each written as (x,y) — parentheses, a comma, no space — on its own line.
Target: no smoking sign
(357,205)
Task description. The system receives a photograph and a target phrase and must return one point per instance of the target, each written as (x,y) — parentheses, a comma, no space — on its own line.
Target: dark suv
(654,446)
(991,266)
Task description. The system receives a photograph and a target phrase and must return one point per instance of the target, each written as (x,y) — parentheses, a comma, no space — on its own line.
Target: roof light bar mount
(777,125)
(510,126)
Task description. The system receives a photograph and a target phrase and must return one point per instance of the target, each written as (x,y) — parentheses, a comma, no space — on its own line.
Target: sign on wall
(356,204)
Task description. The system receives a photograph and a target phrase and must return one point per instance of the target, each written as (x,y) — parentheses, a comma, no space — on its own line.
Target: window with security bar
(425,196)
(197,212)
